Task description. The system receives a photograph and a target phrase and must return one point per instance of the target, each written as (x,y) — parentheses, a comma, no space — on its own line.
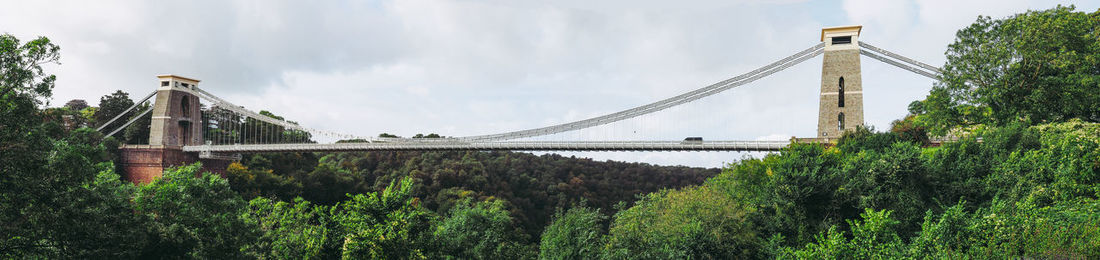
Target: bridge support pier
(841,102)
(142,164)
(177,122)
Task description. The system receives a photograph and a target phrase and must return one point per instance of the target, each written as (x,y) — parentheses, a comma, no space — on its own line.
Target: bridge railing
(509,146)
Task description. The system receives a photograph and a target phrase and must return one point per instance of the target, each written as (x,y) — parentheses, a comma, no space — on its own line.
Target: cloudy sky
(462,68)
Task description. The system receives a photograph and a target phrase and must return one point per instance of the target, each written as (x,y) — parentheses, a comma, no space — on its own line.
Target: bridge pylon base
(142,164)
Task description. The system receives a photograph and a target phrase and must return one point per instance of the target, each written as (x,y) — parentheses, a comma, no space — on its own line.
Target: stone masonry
(177,118)
(177,121)
(840,73)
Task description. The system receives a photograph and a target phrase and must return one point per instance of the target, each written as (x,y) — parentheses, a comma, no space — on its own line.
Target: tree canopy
(1035,67)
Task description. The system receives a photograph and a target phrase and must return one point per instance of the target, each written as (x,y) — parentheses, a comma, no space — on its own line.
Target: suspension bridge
(189,122)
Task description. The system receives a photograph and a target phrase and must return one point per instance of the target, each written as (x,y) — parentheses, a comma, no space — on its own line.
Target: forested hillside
(1022,181)
(530,187)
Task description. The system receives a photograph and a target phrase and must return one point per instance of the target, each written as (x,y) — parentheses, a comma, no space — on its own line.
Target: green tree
(384,225)
(21,73)
(76,104)
(138,132)
(796,191)
(482,230)
(431,135)
(74,114)
(253,183)
(909,129)
(81,210)
(576,234)
(58,199)
(1066,230)
(194,215)
(872,238)
(289,230)
(97,220)
(1063,167)
(945,237)
(1036,67)
(328,184)
(696,222)
(25,183)
(110,106)
(894,179)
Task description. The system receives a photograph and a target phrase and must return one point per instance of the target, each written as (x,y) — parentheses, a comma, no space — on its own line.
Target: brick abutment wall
(142,164)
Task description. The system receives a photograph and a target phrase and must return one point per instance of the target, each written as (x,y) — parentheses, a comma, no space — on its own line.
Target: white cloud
(895,17)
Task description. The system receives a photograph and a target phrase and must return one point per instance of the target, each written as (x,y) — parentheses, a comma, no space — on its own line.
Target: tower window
(840,94)
(842,40)
(840,122)
(164,83)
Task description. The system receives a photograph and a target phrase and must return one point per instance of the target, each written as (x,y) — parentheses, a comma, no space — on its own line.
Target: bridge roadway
(457,145)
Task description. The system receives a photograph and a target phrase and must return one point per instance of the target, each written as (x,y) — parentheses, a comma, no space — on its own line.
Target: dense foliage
(1035,67)
(1003,192)
(574,234)
(530,187)
(111,106)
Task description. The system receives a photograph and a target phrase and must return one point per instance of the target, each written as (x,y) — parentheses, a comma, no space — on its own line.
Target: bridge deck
(762,146)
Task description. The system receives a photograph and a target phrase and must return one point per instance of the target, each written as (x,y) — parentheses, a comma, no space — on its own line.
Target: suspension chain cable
(899,64)
(136,104)
(259,132)
(132,120)
(662,104)
(899,57)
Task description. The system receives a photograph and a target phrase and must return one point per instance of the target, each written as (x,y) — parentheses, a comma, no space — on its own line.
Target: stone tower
(841,106)
(177,118)
(176,122)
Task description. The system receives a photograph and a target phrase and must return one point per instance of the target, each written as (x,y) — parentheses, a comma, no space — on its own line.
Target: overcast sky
(462,68)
